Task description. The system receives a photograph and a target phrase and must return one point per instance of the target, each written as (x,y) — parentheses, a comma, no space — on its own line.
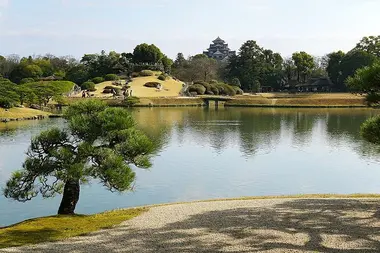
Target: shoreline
(269,197)
(148,226)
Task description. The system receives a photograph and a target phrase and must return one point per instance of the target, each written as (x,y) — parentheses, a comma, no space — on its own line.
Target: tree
(235,82)
(304,64)
(180,61)
(100,143)
(26,95)
(78,74)
(8,93)
(203,68)
(8,64)
(255,65)
(167,62)
(370,130)
(334,66)
(145,53)
(197,68)
(366,79)
(289,70)
(370,45)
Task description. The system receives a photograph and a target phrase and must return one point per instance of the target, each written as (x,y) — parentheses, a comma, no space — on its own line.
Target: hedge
(146,73)
(152,84)
(162,77)
(198,88)
(88,85)
(27,80)
(98,79)
(111,77)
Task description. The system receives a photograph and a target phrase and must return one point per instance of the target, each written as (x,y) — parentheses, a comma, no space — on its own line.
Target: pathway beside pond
(267,225)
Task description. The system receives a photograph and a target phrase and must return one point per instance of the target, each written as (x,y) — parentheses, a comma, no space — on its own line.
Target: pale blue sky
(75,27)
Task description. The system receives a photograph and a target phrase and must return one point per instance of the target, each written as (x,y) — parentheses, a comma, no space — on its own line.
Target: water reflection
(253,129)
(231,152)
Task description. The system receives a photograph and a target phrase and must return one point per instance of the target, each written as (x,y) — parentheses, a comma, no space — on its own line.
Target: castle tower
(219,50)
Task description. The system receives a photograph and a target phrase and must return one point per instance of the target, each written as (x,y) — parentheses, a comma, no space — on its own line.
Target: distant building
(219,50)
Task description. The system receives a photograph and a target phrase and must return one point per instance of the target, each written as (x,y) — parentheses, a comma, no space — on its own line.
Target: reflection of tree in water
(345,128)
(258,130)
(253,129)
(299,124)
(157,124)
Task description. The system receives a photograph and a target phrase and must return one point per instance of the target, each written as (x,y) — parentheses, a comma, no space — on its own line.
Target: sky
(76,27)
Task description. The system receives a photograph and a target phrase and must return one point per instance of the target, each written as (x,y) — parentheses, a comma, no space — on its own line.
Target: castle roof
(218,40)
(218,53)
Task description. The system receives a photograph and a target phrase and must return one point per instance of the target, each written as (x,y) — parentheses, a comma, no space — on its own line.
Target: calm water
(219,154)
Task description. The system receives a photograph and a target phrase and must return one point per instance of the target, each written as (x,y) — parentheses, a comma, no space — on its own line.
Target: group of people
(86,93)
(126,93)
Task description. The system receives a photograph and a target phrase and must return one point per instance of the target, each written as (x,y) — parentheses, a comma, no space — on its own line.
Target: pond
(220,153)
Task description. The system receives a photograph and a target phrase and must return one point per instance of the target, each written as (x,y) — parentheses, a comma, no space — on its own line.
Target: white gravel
(270,225)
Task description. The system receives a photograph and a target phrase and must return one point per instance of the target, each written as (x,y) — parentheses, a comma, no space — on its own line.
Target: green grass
(61,227)
(19,113)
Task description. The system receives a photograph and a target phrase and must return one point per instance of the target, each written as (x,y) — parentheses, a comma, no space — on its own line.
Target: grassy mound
(56,228)
(19,113)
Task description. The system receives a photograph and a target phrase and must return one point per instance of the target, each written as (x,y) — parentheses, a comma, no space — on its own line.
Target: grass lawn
(61,227)
(300,99)
(16,112)
(170,88)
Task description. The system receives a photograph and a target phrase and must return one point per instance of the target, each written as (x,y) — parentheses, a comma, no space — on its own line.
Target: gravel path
(271,225)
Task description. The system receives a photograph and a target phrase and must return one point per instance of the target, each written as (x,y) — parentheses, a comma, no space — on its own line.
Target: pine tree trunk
(70,197)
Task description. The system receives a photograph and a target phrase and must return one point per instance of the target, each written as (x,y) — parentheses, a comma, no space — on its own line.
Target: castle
(219,50)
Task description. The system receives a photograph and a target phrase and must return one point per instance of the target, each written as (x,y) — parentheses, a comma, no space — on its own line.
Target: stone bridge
(215,99)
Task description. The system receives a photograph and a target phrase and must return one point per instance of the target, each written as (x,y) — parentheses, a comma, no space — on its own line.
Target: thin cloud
(4,3)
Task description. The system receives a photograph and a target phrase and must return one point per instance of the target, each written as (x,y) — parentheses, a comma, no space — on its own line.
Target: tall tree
(145,53)
(99,143)
(180,61)
(334,66)
(167,63)
(370,45)
(351,62)
(366,79)
(255,66)
(304,64)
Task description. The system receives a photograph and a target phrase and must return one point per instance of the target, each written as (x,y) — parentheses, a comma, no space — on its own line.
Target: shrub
(107,91)
(162,77)
(225,89)
(152,84)
(235,82)
(135,74)
(6,103)
(146,73)
(111,77)
(87,85)
(214,89)
(214,81)
(92,89)
(98,79)
(370,130)
(110,87)
(130,101)
(238,91)
(27,80)
(198,88)
(373,98)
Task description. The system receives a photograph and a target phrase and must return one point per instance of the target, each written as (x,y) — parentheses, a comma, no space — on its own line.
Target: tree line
(254,66)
